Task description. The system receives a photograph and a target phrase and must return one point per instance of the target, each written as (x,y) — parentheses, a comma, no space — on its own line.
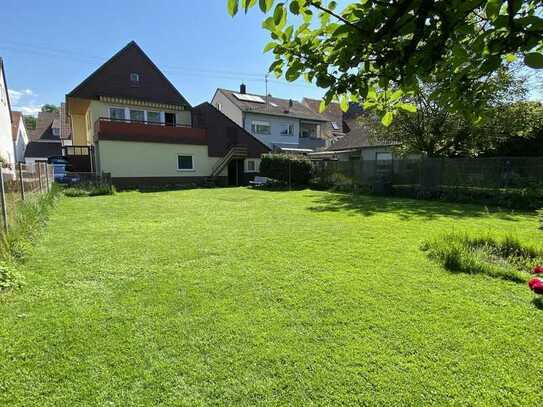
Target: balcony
(148,132)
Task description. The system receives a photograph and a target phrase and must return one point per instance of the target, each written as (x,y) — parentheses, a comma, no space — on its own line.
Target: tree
(437,131)
(30,122)
(49,108)
(372,46)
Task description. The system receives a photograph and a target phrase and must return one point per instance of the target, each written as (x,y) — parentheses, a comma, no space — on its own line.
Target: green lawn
(244,297)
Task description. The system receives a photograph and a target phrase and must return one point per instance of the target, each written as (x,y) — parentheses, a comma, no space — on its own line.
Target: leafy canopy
(378,50)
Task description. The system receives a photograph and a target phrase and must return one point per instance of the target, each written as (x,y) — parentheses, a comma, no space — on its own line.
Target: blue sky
(50,47)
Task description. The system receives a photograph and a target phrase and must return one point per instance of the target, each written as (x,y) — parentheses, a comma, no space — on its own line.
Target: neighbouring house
(20,136)
(282,124)
(7,152)
(140,129)
(334,128)
(356,142)
(46,141)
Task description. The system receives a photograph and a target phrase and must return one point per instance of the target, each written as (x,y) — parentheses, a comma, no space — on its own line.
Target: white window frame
(136,81)
(144,119)
(256,123)
(185,169)
(153,121)
(117,108)
(255,169)
(289,129)
(219,107)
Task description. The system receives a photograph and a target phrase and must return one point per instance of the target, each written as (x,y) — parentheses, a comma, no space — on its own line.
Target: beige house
(136,126)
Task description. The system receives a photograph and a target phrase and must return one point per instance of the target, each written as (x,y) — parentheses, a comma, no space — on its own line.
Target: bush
(285,167)
(510,198)
(89,189)
(9,278)
(505,258)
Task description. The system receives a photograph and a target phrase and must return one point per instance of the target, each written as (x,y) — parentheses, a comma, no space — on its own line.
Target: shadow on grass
(405,208)
(538,303)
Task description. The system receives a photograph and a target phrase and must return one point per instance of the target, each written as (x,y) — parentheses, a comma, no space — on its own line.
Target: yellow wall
(130,159)
(79,129)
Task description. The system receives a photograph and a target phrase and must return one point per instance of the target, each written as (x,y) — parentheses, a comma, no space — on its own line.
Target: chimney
(242,89)
(290,102)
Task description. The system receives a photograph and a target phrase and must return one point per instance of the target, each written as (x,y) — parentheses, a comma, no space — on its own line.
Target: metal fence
(21,183)
(490,173)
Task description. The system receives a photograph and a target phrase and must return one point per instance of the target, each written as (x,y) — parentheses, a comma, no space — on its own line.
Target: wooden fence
(20,183)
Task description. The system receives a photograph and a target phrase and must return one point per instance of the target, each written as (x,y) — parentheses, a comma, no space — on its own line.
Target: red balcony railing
(153,132)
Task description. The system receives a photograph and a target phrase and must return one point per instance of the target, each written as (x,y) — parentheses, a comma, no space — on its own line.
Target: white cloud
(16,95)
(28,110)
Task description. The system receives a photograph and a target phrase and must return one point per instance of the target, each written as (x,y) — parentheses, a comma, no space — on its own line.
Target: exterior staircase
(236,152)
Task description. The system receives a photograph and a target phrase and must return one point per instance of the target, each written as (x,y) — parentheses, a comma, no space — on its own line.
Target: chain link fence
(500,180)
(21,183)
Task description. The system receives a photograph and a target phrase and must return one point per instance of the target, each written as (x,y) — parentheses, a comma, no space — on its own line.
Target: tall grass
(506,258)
(30,219)
(89,189)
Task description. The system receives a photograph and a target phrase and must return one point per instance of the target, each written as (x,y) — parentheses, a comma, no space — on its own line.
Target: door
(169,119)
(235,173)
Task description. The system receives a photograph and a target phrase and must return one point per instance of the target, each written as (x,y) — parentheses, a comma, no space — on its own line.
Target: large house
(139,128)
(282,124)
(19,135)
(7,152)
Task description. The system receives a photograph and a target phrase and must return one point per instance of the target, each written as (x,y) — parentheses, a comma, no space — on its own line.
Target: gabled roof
(357,134)
(44,126)
(333,113)
(16,118)
(43,149)
(112,79)
(273,107)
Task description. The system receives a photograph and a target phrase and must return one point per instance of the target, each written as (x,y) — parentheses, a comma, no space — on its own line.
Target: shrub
(505,258)
(285,167)
(89,189)
(511,198)
(9,278)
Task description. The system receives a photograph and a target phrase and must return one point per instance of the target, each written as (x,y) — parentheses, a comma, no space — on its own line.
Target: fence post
(39,178)
(21,181)
(289,176)
(3,198)
(47,178)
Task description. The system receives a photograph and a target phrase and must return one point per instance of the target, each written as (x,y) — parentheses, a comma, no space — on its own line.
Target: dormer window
(135,78)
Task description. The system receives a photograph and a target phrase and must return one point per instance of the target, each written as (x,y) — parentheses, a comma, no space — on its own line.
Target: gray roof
(274,107)
(41,149)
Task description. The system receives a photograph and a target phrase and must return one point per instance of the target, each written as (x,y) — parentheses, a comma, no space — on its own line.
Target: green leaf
(265,5)
(322,106)
(534,60)
(344,103)
(232,7)
(294,7)
(278,14)
(269,46)
(292,73)
(510,57)
(493,8)
(407,107)
(387,119)
(247,4)
(268,24)
(396,95)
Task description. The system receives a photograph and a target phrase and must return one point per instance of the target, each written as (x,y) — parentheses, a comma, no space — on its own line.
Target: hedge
(286,168)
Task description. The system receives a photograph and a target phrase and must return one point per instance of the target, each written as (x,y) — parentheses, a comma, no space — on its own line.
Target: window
(261,128)
(137,115)
(185,163)
(383,156)
(219,107)
(153,117)
(335,126)
(56,131)
(116,113)
(287,129)
(135,78)
(251,166)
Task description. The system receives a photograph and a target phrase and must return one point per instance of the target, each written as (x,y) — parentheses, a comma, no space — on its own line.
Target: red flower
(537,270)
(534,282)
(538,288)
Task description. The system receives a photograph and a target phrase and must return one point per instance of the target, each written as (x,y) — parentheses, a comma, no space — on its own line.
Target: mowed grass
(247,297)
